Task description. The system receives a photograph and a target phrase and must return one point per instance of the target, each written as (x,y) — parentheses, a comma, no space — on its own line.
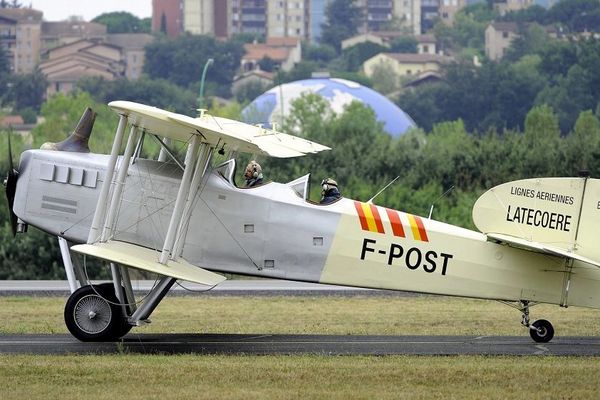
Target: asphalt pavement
(303,344)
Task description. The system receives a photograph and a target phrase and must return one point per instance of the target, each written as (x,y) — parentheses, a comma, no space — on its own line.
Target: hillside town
(399,42)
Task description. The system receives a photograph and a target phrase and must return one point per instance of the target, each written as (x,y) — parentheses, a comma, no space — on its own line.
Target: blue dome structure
(338,92)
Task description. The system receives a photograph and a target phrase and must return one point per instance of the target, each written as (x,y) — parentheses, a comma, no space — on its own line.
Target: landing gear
(93,313)
(541,330)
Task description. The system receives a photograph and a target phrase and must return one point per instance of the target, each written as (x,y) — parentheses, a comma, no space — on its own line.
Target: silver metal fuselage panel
(228,229)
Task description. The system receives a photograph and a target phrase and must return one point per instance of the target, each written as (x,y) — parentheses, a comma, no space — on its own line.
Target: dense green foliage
(154,92)
(498,95)
(363,159)
(181,61)
(343,20)
(123,22)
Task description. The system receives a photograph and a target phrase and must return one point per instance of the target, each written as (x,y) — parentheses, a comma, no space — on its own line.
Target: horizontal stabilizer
(216,131)
(539,247)
(147,260)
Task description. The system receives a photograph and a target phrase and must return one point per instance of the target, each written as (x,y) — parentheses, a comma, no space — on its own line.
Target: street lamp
(201,94)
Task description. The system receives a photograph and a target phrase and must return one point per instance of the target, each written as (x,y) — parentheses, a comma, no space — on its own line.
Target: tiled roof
(21,14)
(417,58)
(282,41)
(259,51)
(130,40)
(73,28)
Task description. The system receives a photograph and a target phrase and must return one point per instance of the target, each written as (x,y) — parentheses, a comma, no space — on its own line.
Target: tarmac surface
(278,344)
(302,344)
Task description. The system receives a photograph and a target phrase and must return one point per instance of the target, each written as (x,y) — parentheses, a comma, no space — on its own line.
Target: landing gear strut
(541,330)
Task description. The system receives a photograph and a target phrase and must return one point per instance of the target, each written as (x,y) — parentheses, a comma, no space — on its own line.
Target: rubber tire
(108,333)
(107,290)
(546,334)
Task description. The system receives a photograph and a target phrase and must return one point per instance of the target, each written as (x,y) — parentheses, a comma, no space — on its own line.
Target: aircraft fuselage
(272,231)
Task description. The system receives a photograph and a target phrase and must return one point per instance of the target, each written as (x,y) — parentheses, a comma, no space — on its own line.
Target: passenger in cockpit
(330,192)
(253,174)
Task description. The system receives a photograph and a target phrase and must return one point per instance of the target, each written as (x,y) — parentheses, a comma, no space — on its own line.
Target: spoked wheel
(543,332)
(91,314)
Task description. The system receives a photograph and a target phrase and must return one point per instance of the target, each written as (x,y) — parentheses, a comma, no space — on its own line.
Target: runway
(303,344)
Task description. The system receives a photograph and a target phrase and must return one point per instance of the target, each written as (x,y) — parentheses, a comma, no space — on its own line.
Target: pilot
(253,174)
(330,192)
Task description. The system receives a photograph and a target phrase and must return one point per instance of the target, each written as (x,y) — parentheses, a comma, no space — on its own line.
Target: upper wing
(539,247)
(216,131)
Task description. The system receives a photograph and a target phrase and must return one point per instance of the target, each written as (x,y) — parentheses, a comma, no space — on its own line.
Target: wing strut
(176,222)
(94,234)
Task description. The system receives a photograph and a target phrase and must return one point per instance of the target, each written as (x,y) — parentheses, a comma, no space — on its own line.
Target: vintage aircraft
(183,220)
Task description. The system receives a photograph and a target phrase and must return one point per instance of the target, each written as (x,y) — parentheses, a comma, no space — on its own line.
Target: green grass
(134,376)
(296,377)
(390,315)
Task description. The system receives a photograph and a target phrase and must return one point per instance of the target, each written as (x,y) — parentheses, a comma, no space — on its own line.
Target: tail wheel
(541,331)
(92,314)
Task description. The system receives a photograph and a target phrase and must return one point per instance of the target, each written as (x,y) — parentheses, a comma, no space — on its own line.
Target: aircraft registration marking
(370,220)
(412,258)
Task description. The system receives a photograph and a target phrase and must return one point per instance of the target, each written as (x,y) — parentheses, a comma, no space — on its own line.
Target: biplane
(188,220)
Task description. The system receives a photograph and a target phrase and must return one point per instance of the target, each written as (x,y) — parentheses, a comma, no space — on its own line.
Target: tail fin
(556,212)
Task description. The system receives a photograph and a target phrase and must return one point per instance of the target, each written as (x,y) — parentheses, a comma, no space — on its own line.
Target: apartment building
(20,34)
(304,18)
(167,17)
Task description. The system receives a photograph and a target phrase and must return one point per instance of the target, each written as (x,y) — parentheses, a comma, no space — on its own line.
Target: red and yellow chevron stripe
(417,228)
(370,220)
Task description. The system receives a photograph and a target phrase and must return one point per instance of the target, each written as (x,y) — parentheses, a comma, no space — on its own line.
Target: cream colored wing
(147,259)
(216,131)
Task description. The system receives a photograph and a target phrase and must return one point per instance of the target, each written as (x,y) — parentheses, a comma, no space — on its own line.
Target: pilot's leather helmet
(328,183)
(254,169)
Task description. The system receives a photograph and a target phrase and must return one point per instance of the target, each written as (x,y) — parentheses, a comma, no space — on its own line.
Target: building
(288,18)
(167,17)
(429,14)
(284,51)
(405,64)
(248,16)
(498,37)
(66,64)
(255,77)
(56,34)
(504,6)
(20,37)
(426,44)
(117,56)
(207,17)
(448,10)
(132,51)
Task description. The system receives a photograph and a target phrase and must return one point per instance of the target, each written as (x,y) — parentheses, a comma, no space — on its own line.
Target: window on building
(408,72)
(425,48)
(505,35)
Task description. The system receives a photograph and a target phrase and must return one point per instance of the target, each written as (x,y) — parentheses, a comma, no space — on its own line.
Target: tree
(343,20)
(122,22)
(181,61)
(154,92)
(27,90)
(531,40)
(10,4)
(353,57)
(576,15)
(4,74)
(385,80)
(541,148)
(404,44)
(267,64)
(584,143)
